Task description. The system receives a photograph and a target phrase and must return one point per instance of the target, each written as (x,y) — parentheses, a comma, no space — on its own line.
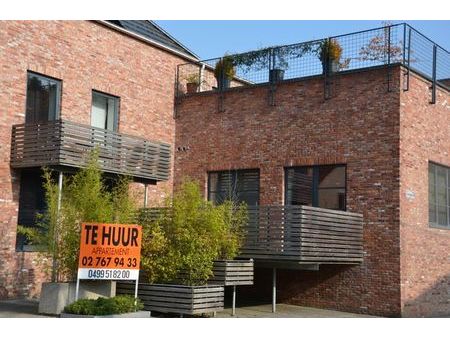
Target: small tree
(183,242)
(85,198)
(379,47)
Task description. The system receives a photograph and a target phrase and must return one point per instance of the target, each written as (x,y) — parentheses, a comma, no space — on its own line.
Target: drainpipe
(55,234)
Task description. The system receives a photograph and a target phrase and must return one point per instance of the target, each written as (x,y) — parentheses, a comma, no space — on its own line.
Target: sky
(210,39)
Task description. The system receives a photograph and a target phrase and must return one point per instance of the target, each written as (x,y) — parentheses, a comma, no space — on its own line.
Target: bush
(104,306)
(85,198)
(183,242)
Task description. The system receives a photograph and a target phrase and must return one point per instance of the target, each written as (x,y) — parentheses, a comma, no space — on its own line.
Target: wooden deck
(67,144)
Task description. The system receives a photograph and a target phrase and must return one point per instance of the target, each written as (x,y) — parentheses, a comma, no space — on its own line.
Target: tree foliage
(85,198)
(190,233)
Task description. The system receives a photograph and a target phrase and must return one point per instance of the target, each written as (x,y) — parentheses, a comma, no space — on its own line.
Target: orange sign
(109,251)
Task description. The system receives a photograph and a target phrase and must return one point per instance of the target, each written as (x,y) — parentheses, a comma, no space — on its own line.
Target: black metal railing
(395,44)
(68,144)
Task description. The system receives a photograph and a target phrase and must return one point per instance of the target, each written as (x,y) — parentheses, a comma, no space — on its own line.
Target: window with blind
(105,111)
(318,186)
(237,185)
(439,195)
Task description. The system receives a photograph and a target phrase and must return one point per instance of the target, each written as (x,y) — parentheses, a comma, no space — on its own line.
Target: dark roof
(152,31)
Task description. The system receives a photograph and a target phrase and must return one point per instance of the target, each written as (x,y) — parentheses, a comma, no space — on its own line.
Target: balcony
(67,144)
(293,235)
(398,44)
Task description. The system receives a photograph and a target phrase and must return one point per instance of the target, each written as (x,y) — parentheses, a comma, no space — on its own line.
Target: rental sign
(110,251)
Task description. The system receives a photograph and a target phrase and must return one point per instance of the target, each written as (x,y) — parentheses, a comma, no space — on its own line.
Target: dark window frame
(209,191)
(117,108)
(436,224)
(315,182)
(59,93)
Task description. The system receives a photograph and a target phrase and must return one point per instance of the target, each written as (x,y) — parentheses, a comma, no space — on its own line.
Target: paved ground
(29,309)
(19,308)
(285,311)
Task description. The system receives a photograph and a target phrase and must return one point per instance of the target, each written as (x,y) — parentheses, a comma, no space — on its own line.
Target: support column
(55,230)
(145,195)
(233,311)
(274,290)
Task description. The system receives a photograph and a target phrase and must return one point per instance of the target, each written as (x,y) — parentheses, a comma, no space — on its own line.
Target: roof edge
(146,40)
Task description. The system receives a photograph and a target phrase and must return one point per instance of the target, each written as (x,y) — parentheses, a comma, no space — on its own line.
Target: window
(43,98)
(105,111)
(439,195)
(318,186)
(31,201)
(238,185)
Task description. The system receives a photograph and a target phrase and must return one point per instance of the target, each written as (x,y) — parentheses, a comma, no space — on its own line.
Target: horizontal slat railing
(66,143)
(303,234)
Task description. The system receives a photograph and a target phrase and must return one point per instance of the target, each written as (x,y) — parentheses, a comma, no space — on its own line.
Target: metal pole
(145,195)
(55,230)
(274,290)
(77,289)
(233,311)
(409,57)
(136,291)
(433,86)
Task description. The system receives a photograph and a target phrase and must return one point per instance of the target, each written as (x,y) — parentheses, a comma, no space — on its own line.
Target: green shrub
(85,198)
(104,306)
(182,244)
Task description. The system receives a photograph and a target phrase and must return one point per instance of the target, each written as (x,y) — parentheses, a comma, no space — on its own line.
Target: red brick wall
(84,55)
(359,127)
(425,251)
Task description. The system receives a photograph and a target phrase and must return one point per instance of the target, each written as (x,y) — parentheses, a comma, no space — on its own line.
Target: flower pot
(233,272)
(276,75)
(330,66)
(191,87)
(178,299)
(223,83)
(55,296)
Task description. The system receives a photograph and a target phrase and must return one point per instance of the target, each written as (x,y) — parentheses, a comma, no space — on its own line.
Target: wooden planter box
(233,272)
(179,299)
(137,314)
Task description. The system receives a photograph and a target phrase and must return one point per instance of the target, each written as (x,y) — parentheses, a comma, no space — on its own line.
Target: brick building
(366,137)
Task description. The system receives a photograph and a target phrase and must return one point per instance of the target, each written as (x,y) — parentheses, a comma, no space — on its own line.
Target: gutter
(148,41)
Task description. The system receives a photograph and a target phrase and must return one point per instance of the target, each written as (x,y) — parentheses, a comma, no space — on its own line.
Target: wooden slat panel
(66,143)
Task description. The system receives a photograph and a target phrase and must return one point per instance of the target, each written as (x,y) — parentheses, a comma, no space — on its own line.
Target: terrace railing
(395,44)
(297,234)
(68,144)
(303,234)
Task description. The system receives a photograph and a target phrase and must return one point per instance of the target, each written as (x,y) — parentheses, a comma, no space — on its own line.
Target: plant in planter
(85,198)
(114,307)
(178,253)
(330,54)
(193,83)
(224,72)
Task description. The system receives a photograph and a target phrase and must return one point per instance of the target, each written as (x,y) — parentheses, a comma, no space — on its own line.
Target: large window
(318,186)
(237,185)
(439,195)
(43,98)
(105,111)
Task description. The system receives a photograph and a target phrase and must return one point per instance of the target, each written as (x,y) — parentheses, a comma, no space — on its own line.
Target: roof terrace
(379,47)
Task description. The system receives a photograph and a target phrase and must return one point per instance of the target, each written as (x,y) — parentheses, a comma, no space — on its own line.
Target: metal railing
(68,144)
(395,44)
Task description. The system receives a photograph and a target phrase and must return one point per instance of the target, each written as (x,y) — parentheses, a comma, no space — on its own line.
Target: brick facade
(360,127)
(85,56)
(425,253)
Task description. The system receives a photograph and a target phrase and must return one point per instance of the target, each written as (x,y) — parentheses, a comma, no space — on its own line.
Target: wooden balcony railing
(68,144)
(297,234)
(303,234)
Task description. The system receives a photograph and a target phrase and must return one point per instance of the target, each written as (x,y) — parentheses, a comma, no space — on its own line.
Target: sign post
(109,252)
